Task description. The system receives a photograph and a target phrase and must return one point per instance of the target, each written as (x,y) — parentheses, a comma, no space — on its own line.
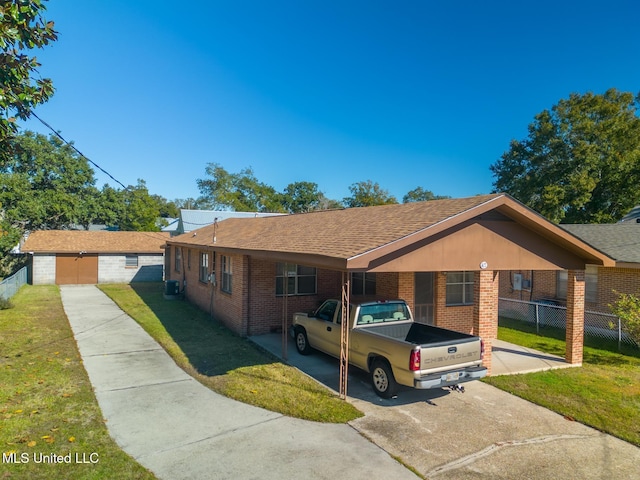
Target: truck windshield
(383,312)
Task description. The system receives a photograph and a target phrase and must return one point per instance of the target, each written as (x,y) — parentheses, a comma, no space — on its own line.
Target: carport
(483,234)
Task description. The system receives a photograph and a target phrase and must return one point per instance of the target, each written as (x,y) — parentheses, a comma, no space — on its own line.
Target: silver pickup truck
(386,342)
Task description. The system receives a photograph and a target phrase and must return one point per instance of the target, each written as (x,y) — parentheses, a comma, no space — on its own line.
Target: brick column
(575,316)
(406,288)
(485,310)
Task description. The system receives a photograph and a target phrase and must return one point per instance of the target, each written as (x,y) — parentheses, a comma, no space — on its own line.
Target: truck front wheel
(302,343)
(382,379)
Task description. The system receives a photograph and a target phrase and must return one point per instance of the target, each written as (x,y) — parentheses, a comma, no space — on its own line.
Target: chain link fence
(548,313)
(10,285)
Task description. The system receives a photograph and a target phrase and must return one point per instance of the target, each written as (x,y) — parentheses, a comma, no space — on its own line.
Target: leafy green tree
(189,203)
(580,162)
(367,194)
(240,192)
(300,197)
(45,185)
(140,210)
(325,203)
(22,28)
(419,194)
(168,208)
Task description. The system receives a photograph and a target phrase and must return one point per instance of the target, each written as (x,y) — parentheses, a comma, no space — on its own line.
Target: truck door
(324,333)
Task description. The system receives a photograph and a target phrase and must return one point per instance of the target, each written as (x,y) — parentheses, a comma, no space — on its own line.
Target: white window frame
(467,281)
(203,274)
(178,260)
(226,271)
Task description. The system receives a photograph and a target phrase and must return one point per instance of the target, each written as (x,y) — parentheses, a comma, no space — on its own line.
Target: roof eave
(509,207)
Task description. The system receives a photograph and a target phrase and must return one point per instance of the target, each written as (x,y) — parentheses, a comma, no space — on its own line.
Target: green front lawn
(224,362)
(47,404)
(604,393)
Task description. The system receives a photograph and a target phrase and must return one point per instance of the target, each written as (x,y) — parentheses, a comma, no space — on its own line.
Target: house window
(459,288)
(204,267)
(131,261)
(178,263)
(301,280)
(363,283)
(590,280)
(227,273)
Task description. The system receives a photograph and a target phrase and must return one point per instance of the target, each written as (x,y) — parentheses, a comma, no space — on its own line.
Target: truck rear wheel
(384,384)
(302,343)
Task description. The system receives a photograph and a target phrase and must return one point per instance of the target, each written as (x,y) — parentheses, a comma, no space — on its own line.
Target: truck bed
(419,334)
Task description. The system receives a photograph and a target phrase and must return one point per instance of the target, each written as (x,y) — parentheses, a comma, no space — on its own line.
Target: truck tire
(384,384)
(302,342)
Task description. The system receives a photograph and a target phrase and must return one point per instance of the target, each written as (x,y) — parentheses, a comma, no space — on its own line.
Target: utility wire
(78,151)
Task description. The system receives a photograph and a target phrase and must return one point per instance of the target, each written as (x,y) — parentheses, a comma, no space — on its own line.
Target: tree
(300,197)
(140,211)
(580,162)
(45,185)
(240,192)
(367,194)
(188,203)
(22,28)
(168,209)
(419,194)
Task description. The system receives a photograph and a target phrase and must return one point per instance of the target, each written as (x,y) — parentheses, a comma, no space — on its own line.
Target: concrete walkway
(179,429)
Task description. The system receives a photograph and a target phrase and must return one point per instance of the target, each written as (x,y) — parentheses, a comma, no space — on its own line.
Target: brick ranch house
(443,257)
(620,241)
(89,257)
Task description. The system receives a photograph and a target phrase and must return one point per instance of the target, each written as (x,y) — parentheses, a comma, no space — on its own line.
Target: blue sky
(404,93)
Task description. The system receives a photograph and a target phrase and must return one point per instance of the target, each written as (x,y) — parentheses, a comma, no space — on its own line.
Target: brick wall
(543,284)
(458,318)
(621,280)
(252,307)
(266,310)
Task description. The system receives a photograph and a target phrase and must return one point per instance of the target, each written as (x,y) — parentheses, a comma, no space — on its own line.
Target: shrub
(5,304)
(627,308)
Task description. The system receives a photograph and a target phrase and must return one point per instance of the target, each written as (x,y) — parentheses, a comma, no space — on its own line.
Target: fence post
(537,318)
(619,334)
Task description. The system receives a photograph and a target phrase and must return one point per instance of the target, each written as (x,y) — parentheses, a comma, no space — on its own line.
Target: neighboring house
(171,226)
(619,241)
(632,216)
(89,257)
(442,256)
(193,219)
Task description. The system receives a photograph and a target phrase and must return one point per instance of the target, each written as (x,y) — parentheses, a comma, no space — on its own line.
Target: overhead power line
(57,134)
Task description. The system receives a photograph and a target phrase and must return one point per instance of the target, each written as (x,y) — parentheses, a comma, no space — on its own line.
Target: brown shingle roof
(74,241)
(331,233)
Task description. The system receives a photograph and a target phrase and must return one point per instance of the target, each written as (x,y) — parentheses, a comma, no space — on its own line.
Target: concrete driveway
(179,429)
(484,433)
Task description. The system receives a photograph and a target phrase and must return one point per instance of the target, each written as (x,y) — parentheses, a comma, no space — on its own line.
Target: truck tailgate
(460,354)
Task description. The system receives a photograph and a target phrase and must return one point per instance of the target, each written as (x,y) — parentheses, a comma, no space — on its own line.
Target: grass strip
(48,410)
(225,362)
(604,393)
